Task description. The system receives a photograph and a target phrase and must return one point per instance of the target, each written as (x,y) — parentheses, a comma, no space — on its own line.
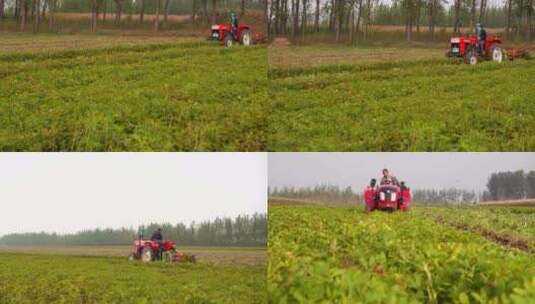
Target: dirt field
(325,54)
(216,255)
(14,42)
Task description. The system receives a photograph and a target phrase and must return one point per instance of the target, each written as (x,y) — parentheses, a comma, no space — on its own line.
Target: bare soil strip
(501,239)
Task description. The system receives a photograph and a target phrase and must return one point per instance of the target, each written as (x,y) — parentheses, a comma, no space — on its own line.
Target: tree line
(507,185)
(336,195)
(201,12)
(243,230)
(351,19)
(510,185)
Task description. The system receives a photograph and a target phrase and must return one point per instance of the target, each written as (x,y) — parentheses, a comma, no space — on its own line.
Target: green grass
(429,105)
(67,279)
(172,97)
(343,255)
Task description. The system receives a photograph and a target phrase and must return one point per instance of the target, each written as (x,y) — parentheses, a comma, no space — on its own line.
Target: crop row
(430,105)
(65,279)
(320,254)
(511,222)
(181,97)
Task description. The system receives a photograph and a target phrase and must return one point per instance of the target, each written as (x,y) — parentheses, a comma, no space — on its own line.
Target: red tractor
(225,34)
(387,198)
(467,47)
(148,251)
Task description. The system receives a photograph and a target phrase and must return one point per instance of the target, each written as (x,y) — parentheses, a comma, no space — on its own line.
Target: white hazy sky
(68,192)
(420,170)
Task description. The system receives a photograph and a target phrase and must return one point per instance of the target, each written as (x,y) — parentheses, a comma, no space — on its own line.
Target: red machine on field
(148,251)
(387,198)
(224,33)
(467,47)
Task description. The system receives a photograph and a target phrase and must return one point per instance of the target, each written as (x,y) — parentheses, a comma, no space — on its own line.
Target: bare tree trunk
(317,17)
(166,11)
(304,18)
(214,11)
(51,10)
(43,11)
(352,22)
(105,10)
(473,13)
(94,15)
(205,11)
(242,8)
(529,9)
(118,11)
(37,15)
(17,9)
(509,13)
(457,15)
(2,4)
(142,10)
(157,18)
(193,11)
(24,15)
(482,10)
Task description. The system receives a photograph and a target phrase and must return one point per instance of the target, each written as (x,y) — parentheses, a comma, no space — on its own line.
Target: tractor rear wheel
(496,53)
(245,38)
(228,40)
(471,57)
(147,255)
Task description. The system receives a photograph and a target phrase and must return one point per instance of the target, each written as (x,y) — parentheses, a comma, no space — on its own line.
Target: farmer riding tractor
(151,250)
(229,33)
(476,47)
(387,197)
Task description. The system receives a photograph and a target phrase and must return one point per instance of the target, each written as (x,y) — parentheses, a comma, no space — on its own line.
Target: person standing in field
(158,238)
(481,35)
(389,179)
(234,24)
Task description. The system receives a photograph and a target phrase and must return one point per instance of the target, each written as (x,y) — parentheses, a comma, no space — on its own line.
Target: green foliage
(65,279)
(433,105)
(342,255)
(193,96)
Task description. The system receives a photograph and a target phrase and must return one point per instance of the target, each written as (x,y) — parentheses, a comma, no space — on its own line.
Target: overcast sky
(68,192)
(419,170)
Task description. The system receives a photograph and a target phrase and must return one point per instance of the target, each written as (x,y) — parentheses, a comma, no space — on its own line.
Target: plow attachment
(516,53)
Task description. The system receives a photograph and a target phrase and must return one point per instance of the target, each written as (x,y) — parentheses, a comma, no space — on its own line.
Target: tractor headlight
(382,196)
(393,196)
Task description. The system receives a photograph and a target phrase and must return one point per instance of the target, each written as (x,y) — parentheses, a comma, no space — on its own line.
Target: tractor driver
(389,179)
(234,23)
(481,37)
(157,237)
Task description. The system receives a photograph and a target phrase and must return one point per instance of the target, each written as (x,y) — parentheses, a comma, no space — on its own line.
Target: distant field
(45,278)
(379,102)
(17,42)
(217,255)
(328,54)
(165,97)
(512,203)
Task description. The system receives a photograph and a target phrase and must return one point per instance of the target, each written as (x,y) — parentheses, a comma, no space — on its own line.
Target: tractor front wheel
(496,53)
(146,255)
(228,40)
(471,57)
(245,38)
